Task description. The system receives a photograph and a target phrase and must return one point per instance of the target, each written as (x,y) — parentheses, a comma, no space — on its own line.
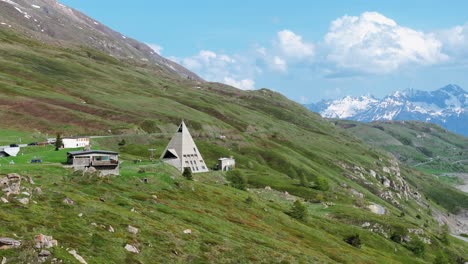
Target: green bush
(298,211)
(417,247)
(321,183)
(237,179)
(354,241)
(187,174)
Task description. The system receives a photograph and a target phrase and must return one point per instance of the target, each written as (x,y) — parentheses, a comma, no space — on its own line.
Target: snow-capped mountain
(52,22)
(447,106)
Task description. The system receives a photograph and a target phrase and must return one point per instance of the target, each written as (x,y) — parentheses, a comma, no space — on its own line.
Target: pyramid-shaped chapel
(181,152)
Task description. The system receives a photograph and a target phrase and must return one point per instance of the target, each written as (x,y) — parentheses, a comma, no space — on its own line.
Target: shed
(226,164)
(107,162)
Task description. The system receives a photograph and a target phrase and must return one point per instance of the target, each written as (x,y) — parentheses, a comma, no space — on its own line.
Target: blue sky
(307,50)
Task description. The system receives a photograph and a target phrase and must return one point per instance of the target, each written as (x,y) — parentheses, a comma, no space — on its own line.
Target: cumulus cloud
(279,64)
(216,67)
(455,41)
(291,45)
(373,43)
(244,84)
(155,47)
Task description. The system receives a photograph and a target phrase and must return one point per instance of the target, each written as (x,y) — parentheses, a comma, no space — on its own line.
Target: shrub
(303,180)
(187,174)
(292,173)
(122,142)
(322,184)
(237,179)
(298,211)
(354,241)
(249,200)
(417,247)
(398,234)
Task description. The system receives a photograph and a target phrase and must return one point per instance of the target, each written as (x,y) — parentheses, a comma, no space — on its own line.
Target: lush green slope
(46,89)
(422,145)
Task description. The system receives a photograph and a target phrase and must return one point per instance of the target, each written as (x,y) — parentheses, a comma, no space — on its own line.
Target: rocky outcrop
(43,241)
(11,184)
(7,243)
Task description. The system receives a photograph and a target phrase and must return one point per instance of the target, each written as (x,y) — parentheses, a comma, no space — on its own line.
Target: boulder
(4,260)
(68,201)
(11,184)
(268,188)
(4,200)
(44,253)
(188,231)
(77,257)
(37,191)
(24,200)
(131,248)
(43,241)
(7,243)
(132,230)
(110,229)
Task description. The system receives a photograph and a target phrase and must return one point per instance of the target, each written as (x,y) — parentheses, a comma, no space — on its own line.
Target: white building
(226,164)
(9,152)
(76,142)
(181,152)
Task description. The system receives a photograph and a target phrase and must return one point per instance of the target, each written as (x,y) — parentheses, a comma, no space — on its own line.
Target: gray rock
(4,200)
(44,253)
(43,241)
(110,229)
(77,257)
(6,243)
(131,248)
(37,191)
(24,200)
(4,260)
(132,230)
(68,201)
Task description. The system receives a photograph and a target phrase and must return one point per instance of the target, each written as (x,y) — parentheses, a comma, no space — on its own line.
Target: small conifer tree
(58,142)
(187,173)
(298,211)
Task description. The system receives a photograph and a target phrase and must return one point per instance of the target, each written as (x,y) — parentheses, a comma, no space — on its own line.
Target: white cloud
(455,41)
(232,70)
(279,64)
(155,47)
(373,43)
(292,45)
(244,84)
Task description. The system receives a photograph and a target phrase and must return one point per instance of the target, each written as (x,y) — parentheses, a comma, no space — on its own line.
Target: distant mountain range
(447,106)
(52,22)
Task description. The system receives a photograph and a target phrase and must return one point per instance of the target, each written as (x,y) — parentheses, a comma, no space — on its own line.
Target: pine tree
(58,142)
(187,174)
(298,211)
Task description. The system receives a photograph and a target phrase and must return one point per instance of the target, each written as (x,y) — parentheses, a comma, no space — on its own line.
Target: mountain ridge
(446,106)
(52,22)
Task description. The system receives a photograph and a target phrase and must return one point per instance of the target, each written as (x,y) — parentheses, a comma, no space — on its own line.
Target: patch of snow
(124,37)
(36,6)
(22,12)
(348,106)
(96,23)
(10,2)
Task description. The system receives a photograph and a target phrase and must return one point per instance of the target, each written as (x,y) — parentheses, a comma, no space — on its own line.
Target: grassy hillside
(276,142)
(422,145)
